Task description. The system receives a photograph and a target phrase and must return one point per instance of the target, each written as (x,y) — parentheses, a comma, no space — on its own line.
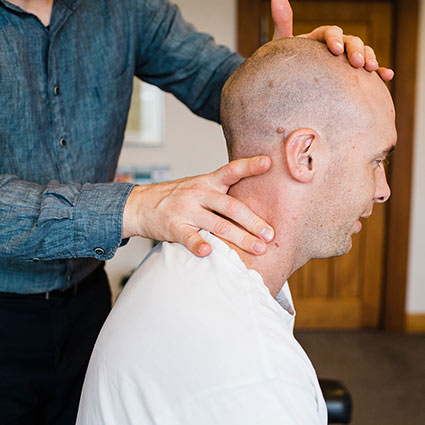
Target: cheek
(369,184)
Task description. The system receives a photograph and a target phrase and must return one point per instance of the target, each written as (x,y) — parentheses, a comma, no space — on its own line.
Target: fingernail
(339,45)
(359,55)
(203,249)
(373,63)
(259,247)
(267,234)
(262,162)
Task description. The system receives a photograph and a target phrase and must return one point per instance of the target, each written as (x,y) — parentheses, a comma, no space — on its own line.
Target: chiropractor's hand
(176,210)
(358,54)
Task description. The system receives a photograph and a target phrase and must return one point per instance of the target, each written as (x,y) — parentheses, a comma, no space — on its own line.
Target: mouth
(357,227)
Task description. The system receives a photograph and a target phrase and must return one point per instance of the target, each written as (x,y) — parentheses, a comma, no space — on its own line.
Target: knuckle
(232,207)
(334,29)
(173,230)
(369,51)
(246,241)
(232,168)
(189,239)
(221,227)
(357,40)
(255,224)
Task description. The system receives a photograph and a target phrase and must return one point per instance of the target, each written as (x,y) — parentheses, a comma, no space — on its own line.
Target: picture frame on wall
(145,125)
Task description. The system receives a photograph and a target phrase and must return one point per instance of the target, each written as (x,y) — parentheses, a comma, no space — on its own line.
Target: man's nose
(383,191)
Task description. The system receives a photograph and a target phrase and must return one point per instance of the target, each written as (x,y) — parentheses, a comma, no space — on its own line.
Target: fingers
(282,18)
(188,235)
(238,212)
(358,54)
(371,64)
(230,232)
(236,170)
(333,36)
(385,73)
(335,39)
(355,50)
(193,241)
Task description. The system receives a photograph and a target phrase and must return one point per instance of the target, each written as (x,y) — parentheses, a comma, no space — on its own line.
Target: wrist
(132,213)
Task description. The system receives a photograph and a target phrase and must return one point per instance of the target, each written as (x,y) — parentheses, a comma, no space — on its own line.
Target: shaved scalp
(289,84)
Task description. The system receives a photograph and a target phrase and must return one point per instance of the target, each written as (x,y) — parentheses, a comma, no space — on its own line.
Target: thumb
(282,18)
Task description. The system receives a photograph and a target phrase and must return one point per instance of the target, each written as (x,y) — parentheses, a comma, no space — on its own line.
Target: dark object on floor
(338,401)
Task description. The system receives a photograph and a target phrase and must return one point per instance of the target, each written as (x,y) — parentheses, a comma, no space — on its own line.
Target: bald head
(289,84)
(327,128)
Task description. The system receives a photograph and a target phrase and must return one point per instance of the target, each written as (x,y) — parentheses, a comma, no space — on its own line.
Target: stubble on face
(344,195)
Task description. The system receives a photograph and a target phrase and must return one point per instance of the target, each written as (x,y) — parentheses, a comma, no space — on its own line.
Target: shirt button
(68,278)
(56,91)
(62,142)
(99,251)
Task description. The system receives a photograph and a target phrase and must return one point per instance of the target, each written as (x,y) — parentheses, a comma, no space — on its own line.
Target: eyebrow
(387,152)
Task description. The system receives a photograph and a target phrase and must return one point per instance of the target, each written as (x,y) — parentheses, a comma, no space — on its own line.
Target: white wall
(416,281)
(192,145)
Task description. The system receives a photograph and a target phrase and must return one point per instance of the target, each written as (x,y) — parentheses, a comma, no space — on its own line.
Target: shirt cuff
(98,215)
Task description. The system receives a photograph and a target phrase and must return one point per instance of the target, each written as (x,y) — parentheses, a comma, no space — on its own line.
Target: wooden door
(343,292)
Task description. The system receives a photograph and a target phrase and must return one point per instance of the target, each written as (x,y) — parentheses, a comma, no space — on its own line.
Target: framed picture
(145,126)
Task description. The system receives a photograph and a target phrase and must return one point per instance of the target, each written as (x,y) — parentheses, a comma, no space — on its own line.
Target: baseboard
(415,323)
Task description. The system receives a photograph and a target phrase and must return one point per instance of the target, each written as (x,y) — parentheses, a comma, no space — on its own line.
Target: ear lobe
(300,154)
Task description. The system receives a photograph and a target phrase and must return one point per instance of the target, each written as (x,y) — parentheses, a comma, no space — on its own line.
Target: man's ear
(300,151)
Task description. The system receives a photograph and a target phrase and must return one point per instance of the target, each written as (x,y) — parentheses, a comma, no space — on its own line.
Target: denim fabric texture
(65,92)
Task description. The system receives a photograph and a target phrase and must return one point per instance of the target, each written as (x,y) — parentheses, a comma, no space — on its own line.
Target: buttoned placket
(61,142)
(60,138)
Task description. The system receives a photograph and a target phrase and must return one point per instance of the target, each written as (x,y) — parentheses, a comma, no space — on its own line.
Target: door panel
(343,292)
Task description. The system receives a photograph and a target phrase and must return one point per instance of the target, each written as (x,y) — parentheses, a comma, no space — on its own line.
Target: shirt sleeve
(60,220)
(174,56)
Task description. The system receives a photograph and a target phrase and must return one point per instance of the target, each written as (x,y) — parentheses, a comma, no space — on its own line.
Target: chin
(334,245)
(344,247)
(340,248)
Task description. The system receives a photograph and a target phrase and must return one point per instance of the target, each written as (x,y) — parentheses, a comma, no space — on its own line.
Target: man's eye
(383,162)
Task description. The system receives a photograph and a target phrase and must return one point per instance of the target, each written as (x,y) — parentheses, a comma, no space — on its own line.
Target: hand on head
(359,55)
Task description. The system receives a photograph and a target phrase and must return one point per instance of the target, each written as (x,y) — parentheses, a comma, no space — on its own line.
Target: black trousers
(45,346)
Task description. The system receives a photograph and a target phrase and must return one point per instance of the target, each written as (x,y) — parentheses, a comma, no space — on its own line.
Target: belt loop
(47,295)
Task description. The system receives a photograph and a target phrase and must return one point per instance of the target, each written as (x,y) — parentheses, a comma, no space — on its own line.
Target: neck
(281,258)
(40,8)
(274,266)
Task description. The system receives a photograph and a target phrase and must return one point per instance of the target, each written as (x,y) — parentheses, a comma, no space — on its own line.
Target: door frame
(393,317)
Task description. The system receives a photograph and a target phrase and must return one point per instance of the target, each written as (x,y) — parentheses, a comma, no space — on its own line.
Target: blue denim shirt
(64,98)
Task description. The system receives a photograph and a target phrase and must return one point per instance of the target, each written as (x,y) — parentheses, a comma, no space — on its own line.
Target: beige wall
(416,282)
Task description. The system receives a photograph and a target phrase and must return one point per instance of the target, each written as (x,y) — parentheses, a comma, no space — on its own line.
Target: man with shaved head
(328,129)
(209,341)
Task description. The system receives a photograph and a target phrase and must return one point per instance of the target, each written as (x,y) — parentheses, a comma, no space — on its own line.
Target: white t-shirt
(200,341)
